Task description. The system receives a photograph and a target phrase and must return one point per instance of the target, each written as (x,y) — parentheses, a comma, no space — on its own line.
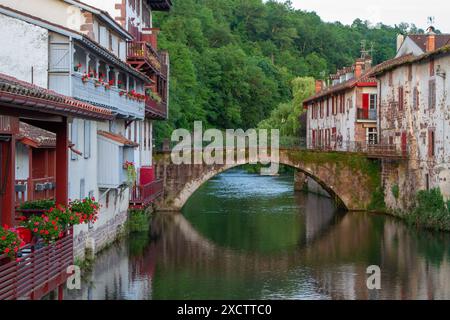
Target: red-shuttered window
(401,101)
(431,143)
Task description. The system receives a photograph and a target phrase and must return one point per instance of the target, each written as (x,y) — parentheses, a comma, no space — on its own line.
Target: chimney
(431,39)
(319,86)
(400,39)
(359,68)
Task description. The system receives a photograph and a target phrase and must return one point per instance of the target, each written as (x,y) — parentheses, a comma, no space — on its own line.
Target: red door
(365,106)
(404,143)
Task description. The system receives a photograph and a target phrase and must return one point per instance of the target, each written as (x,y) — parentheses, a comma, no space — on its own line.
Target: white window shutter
(87,139)
(74,137)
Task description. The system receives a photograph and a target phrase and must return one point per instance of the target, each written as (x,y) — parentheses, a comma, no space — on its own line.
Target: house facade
(81,51)
(136,16)
(414,109)
(343,115)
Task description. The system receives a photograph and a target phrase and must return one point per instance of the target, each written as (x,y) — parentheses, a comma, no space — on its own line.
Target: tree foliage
(233,61)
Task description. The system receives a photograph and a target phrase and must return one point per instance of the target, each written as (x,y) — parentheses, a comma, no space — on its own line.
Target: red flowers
(9,241)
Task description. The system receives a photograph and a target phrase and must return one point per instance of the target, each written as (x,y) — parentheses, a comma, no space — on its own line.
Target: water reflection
(248,237)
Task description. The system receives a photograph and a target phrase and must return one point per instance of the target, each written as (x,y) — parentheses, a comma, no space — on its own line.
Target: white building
(343,116)
(80,51)
(414,108)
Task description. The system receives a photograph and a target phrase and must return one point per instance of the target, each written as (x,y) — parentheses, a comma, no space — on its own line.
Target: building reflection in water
(327,259)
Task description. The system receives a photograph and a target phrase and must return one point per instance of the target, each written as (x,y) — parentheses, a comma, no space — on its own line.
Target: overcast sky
(389,12)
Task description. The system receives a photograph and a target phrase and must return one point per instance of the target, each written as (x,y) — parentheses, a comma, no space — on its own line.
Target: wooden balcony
(144,57)
(155,109)
(36,272)
(34,189)
(112,98)
(142,196)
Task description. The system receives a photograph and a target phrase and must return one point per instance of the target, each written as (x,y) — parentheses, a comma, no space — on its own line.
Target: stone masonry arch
(351,179)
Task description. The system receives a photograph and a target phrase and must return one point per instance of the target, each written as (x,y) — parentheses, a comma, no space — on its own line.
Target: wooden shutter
(59,59)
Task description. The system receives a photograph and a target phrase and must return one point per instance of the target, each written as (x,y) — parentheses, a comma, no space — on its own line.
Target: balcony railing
(141,50)
(367,114)
(34,189)
(371,150)
(155,109)
(112,98)
(36,272)
(142,196)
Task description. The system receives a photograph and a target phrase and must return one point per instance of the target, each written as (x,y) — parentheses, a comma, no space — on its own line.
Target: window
(432,94)
(87,139)
(391,80)
(431,143)
(400,98)
(373,102)
(410,72)
(427,181)
(416,98)
(372,136)
(328,107)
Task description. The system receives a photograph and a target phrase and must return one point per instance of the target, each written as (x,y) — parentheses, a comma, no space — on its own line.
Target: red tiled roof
(421,40)
(118,138)
(367,78)
(37,137)
(21,94)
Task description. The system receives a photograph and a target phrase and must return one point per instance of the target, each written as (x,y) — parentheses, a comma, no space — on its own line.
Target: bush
(395,191)
(430,211)
(38,205)
(138,221)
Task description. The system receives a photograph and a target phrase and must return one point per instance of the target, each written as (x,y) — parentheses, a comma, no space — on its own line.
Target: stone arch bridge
(351,179)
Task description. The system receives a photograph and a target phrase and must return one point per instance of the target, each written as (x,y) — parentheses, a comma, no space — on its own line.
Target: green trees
(286,115)
(233,61)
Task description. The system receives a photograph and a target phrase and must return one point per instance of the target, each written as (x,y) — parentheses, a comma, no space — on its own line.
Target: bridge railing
(379,150)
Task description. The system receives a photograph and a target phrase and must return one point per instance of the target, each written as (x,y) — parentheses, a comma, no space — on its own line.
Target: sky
(389,12)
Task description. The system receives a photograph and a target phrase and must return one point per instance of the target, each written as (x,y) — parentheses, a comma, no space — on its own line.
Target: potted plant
(84,211)
(10,242)
(36,207)
(131,172)
(45,227)
(77,68)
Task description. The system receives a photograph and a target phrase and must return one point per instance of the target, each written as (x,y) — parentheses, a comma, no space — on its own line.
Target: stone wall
(416,122)
(96,240)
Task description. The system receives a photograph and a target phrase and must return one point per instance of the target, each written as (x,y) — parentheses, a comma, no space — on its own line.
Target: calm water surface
(243,236)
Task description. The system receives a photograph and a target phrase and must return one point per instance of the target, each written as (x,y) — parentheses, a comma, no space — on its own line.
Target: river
(245,236)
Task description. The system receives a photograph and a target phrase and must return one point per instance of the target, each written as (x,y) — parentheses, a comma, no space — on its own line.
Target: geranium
(111,82)
(10,242)
(85,211)
(48,227)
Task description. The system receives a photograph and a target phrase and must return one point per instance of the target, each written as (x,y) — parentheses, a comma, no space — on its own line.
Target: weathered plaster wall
(26,48)
(416,123)
(346,123)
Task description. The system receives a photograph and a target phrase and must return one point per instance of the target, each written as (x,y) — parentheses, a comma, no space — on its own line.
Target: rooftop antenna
(364,51)
(431,21)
